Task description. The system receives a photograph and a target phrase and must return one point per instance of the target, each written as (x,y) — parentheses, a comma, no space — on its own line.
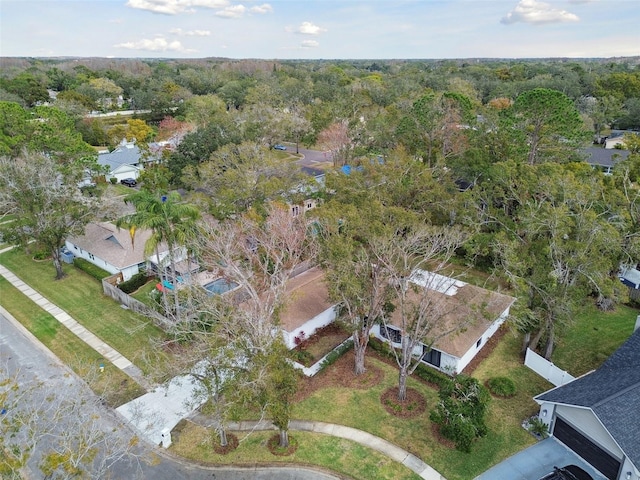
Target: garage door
(607,464)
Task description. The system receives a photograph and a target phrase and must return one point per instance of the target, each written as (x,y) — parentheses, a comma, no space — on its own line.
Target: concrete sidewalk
(363,438)
(82,333)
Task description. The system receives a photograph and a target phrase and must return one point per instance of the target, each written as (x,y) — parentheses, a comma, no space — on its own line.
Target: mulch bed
(412,406)
(274,442)
(232,444)
(339,374)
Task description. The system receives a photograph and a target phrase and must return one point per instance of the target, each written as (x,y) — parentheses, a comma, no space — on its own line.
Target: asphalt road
(23,355)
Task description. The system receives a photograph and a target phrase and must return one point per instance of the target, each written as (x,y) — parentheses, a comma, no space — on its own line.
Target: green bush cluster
(303,357)
(134,283)
(501,386)
(424,372)
(91,269)
(461,410)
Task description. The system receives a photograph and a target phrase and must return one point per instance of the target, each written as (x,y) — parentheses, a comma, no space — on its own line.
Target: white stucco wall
(475,348)
(310,327)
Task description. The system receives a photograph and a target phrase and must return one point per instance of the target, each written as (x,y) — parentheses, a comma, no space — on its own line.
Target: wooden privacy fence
(111,290)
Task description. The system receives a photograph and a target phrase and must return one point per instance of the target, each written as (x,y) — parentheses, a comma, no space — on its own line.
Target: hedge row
(134,283)
(91,269)
(426,373)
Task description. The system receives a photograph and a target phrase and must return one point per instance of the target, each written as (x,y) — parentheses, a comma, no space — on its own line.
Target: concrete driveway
(536,461)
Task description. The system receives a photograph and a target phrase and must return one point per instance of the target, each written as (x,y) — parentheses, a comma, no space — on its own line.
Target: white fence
(546,369)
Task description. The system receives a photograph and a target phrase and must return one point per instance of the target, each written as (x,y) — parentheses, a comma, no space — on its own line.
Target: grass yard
(592,338)
(81,297)
(142,294)
(113,385)
(339,455)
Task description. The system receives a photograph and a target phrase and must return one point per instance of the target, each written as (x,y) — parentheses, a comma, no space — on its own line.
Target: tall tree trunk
(526,341)
(162,274)
(360,342)
(223,436)
(550,342)
(402,384)
(284,438)
(536,339)
(57,263)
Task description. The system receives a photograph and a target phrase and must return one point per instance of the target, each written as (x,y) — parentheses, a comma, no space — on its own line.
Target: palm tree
(171,221)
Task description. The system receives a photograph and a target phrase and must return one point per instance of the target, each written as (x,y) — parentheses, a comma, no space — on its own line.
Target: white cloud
(262,9)
(159,44)
(309,44)
(308,28)
(174,7)
(190,33)
(232,11)
(537,13)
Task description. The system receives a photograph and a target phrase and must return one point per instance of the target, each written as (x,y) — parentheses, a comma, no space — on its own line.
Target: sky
(320,29)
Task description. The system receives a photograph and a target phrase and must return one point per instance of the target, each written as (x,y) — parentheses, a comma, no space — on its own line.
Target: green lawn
(592,338)
(336,454)
(81,297)
(112,384)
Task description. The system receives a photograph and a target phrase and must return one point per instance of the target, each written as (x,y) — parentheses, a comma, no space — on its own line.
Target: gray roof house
(604,159)
(126,161)
(598,415)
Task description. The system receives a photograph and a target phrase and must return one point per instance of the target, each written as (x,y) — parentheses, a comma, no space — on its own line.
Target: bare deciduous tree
(415,260)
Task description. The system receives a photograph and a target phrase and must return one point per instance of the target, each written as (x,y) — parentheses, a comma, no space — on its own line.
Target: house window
(479,342)
(390,333)
(431,356)
(295,210)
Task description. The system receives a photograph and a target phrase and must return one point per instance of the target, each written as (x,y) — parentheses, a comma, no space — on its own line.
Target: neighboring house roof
(308,297)
(124,154)
(113,244)
(469,308)
(612,392)
(604,157)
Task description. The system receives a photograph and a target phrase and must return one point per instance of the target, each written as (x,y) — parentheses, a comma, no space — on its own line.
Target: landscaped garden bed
(311,349)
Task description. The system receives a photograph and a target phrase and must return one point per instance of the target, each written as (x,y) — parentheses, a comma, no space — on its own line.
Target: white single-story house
(475,312)
(111,248)
(598,415)
(309,308)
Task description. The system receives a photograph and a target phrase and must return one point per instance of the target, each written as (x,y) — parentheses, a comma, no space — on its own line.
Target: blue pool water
(219,286)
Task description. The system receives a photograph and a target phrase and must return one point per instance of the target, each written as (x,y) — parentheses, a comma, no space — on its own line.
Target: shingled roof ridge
(617,394)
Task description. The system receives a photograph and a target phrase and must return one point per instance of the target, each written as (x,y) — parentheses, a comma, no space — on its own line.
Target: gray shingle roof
(604,157)
(128,154)
(612,392)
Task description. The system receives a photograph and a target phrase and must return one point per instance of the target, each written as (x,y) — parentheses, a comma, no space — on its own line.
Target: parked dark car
(279,147)
(129,182)
(570,472)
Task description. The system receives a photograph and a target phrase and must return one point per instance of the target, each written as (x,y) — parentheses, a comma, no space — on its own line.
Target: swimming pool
(219,286)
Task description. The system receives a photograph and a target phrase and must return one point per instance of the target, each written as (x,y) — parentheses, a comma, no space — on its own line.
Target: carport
(536,461)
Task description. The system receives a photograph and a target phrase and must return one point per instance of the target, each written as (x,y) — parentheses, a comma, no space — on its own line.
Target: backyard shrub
(134,283)
(41,255)
(90,269)
(501,386)
(461,410)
